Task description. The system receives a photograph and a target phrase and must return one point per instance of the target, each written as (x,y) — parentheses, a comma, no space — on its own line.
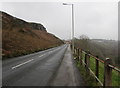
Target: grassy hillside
(20,37)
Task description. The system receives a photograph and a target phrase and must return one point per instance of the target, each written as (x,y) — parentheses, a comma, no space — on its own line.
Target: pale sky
(97,20)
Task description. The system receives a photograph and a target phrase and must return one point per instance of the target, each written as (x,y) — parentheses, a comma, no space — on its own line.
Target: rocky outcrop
(10,22)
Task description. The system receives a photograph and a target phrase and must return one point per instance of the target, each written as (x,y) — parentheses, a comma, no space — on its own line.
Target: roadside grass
(24,52)
(89,80)
(115,74)
(15,43)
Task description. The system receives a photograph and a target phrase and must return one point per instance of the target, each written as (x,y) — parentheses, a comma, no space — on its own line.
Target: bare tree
(84,42)
(84,37)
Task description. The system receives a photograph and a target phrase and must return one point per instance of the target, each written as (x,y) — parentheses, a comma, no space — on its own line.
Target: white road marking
(41,55)
(49,52)
(22,64)
(32,59)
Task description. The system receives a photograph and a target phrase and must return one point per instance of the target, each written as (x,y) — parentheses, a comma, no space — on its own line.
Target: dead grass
(15,42)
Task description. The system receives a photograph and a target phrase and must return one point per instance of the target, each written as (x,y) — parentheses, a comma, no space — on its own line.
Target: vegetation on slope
(20,37)
(99,47)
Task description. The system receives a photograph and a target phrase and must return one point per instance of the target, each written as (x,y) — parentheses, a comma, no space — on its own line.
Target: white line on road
(42,55)
(32,59)
(49,52)
(22,64)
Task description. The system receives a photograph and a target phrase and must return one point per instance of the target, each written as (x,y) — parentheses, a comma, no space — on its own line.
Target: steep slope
(20,37)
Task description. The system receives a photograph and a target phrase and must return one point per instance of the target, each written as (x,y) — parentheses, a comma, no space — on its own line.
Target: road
(68,74)
(36,69)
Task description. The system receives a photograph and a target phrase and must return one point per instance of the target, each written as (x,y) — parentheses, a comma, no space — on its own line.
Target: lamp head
(65,4)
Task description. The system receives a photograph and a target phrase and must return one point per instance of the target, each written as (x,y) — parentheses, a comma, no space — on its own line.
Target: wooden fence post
(97,68)
(107,73)
(74,51)
(87,61)
(80,56)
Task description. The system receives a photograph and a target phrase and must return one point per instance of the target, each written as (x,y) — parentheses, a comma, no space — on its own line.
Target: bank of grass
(89,80)
(24,52)
(15,43)
(115,74)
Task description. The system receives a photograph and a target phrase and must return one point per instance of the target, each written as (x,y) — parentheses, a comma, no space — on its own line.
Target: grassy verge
(24,52)
(89,80)
(115,74)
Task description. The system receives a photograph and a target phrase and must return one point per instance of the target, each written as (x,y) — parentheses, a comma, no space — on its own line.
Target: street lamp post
(72,24)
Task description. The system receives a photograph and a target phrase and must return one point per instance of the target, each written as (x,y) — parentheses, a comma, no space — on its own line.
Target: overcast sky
(97,20)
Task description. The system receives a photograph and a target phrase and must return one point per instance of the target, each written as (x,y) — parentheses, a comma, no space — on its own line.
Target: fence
(104,72)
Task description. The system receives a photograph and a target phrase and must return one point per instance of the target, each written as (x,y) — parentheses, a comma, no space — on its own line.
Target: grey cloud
(97,20)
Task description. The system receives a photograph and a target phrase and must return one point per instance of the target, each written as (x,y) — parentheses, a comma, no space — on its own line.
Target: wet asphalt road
(68,74)
(36,69)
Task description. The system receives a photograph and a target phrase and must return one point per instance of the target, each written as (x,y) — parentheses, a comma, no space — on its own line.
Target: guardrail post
(107,73)
(97,68)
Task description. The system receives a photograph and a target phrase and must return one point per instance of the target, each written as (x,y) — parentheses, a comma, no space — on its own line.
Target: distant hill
(20,37)
(101,47)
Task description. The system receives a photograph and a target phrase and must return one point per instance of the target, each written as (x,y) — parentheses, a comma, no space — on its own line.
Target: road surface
(67,74)
(37,69)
